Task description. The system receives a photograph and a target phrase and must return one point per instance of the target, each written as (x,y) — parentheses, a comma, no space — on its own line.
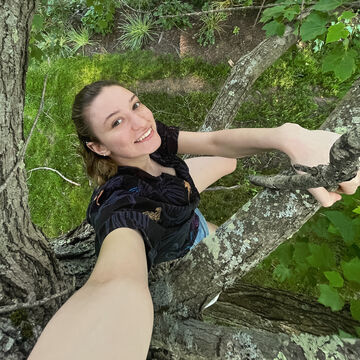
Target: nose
(137,121)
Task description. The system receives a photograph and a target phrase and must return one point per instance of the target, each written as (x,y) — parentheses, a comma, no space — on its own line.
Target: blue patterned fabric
(161,207)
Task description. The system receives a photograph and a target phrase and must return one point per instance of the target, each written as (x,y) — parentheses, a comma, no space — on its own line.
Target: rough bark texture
(195,340)
(250,306)
(28,267)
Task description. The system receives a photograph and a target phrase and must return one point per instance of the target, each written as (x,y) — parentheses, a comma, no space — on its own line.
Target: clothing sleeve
(169,137)
(132,219)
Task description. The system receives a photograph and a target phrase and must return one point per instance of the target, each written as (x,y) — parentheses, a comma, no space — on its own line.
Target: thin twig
(56,171)
(10,308)
(199,13)
(222,188)
(258,14)
(129,7)
(23,150)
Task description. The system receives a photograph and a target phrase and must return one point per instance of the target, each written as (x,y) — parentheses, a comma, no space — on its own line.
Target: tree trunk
(29,269)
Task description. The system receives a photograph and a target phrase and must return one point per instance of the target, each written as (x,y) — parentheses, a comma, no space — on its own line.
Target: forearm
(100,321)
(238,143)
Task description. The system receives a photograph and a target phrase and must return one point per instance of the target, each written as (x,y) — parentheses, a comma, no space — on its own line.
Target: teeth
(144,136)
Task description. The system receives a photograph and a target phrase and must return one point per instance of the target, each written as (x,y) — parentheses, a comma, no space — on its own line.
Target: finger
(350,187)
(324,197)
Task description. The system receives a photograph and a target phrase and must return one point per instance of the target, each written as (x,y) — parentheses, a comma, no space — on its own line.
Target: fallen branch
(56,171)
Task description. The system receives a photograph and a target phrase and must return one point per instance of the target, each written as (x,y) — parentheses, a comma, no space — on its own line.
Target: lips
(146,136)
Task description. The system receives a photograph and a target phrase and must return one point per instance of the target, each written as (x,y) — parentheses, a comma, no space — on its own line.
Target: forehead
(109,99)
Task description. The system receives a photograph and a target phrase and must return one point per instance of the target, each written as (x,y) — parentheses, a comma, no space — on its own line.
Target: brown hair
(98,167)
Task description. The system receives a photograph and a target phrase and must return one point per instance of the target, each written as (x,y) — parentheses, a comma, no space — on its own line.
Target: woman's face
(125,128)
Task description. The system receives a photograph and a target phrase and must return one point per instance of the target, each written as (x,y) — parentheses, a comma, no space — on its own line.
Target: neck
(145,163)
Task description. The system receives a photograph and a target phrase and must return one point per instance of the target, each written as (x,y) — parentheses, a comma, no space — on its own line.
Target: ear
(98,148)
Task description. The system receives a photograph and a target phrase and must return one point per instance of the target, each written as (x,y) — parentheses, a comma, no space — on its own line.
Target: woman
(145,212)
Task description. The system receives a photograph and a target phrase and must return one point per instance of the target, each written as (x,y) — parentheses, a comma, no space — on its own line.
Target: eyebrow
(115,112)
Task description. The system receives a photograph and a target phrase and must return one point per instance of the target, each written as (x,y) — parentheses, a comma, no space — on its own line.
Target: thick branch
(195,340)
(242,77)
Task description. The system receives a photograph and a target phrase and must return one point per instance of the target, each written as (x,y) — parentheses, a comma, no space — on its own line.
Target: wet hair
(99,168)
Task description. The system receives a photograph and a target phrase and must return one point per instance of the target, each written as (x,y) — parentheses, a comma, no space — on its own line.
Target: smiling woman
(144,211)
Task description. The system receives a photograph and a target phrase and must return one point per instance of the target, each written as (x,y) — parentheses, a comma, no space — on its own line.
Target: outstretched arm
(232,143)
(305,147)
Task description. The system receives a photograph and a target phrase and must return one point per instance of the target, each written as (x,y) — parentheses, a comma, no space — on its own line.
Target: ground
(228,47)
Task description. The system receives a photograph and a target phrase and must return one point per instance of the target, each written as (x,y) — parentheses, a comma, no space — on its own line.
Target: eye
(136,105)
(117,122)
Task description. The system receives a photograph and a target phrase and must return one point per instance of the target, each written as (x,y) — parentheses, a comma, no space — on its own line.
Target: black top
(160,207)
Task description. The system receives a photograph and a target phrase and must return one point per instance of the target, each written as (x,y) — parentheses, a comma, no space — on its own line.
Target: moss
(20,319)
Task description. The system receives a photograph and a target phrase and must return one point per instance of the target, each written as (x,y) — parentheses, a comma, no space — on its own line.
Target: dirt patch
(175,86)
(228,46)
(183,42)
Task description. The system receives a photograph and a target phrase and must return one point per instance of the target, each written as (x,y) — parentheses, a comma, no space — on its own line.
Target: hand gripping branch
(344,165)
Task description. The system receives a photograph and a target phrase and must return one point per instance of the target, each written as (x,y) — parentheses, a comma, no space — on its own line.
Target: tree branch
(344,165)
(57,172)
(209,341)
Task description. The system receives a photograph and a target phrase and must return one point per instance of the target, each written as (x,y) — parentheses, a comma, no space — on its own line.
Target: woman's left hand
(311,148)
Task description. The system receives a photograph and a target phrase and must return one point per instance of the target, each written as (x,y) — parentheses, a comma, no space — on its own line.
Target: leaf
(334,278)
(347,15)
(330,297)
(343,224)
(313,26)
(341,62)
(351,269)
(357,210)
(281,272)
(325,5)
(291,12)
(274,28)
(272,13)
(344,335)
(355,309)
(301,252)
(38,22)
(357,328)
(336,32)
(322,257)
(284,253)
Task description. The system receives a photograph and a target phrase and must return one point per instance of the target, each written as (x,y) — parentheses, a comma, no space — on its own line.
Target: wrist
(288,136)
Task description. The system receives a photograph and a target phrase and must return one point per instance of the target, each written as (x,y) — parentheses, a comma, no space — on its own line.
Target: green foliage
(324,26)
(330,297)
(211,24)
(342,63)
(326,5)
(79,39)
(351,269)
(173,7)
(274,28)
(335,279)
(99,16)
(138,29)
(313,26)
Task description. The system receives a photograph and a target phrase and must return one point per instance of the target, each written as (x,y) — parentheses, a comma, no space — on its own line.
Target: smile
(145,137)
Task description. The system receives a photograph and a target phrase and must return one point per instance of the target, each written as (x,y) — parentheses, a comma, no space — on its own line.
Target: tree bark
(29,269)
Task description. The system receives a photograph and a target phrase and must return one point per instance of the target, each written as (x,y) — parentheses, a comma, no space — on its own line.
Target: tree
(39,276)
